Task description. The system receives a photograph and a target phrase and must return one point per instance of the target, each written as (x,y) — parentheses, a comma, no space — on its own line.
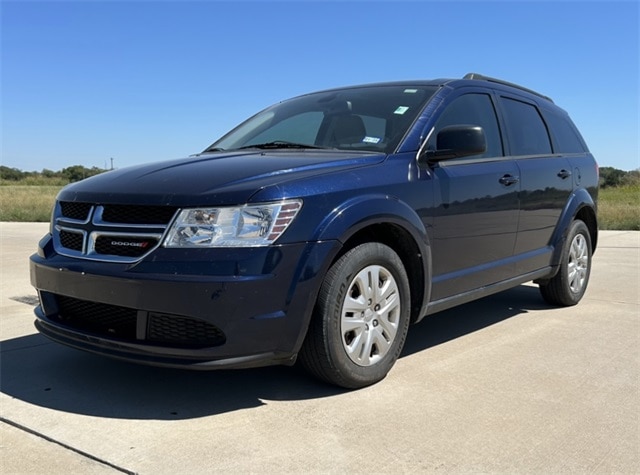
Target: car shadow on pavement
(45,374)
(459,321)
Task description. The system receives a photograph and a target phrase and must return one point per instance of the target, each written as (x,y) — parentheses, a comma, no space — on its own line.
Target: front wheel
(361,318)
(570,283)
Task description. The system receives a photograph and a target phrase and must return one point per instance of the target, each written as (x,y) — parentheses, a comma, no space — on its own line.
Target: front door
(476,205)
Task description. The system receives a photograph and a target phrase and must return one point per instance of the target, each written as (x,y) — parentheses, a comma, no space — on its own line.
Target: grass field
(27,203)
(619,207)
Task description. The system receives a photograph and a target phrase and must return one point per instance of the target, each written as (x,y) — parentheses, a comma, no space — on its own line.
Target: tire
(357,331)
(568,286)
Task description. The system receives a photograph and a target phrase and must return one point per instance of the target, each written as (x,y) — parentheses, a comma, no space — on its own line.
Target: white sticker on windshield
(368,139)
(401,110)
(410,91)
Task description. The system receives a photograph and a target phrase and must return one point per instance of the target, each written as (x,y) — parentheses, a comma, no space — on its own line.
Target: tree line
(71,174)
(609,176)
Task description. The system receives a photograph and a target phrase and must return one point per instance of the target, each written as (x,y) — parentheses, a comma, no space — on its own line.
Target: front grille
(127,214)
(109,232)
(128,324)
(181,331)
(71,240)
(98,318)
(124,245)
(77,211)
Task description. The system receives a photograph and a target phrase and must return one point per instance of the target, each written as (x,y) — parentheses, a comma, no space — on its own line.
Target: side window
(473,109)
(566,137)
(525,128)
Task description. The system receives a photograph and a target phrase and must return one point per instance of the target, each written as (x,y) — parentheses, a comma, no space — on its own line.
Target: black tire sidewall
(568,296)
(336,290)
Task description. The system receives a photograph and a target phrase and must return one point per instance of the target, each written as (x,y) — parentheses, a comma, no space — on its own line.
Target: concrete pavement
(506,384)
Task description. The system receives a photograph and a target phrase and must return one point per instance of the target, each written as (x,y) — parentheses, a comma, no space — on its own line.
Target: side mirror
(456,141)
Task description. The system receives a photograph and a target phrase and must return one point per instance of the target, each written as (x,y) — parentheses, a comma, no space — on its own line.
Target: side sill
(453,301)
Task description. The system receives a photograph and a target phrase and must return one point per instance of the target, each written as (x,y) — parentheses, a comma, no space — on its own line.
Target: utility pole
(112,163)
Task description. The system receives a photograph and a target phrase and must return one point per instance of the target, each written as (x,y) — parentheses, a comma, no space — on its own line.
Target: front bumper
(197,308)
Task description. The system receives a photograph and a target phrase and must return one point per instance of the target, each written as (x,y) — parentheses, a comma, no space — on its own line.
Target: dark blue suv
(321,227)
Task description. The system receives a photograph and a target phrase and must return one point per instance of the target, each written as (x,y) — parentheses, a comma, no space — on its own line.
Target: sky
(85,82)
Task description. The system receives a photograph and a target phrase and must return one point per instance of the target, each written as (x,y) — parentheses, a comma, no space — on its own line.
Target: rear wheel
(361,318)
(570,283)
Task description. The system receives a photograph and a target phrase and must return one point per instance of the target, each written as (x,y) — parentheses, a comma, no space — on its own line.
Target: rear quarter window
(566,138)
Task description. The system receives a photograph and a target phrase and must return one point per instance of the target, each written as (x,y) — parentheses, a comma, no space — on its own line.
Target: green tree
(632,178)
(79,172)
(610,176)
(12,174)
(49,173)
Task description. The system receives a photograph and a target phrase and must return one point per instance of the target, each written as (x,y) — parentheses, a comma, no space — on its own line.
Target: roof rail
(500,81)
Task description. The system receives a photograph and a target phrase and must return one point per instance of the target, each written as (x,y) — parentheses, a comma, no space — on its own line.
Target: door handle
(508,180)
(564,174)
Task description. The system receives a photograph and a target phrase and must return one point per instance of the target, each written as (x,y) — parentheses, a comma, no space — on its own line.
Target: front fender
(361,211)
(367,211)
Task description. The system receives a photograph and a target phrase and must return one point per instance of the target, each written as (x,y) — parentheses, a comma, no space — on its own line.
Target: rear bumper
(201,309)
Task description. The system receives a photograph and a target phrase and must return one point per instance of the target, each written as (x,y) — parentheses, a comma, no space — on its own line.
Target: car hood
(217,178)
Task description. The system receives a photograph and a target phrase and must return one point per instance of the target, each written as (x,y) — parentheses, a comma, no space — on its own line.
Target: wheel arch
(588,215)
(391,222)
(579,206)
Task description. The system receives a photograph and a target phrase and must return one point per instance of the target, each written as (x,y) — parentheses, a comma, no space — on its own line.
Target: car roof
(468,78)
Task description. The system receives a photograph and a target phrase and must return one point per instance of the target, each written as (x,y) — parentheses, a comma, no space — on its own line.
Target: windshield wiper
(278,144)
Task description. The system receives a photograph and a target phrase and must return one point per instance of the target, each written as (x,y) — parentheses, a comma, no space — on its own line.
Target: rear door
(545,178)
(476,203)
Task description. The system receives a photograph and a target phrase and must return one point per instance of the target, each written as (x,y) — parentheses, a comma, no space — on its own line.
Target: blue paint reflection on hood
(217,178)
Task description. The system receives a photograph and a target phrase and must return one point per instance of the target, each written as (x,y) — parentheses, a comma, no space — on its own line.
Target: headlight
(238,226)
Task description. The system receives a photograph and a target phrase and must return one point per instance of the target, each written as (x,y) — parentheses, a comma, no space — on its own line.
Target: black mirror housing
(456,141)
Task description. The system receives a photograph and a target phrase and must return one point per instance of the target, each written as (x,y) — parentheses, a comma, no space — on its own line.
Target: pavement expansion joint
(66,446)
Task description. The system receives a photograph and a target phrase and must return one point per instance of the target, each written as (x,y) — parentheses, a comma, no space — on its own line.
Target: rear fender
(578,200)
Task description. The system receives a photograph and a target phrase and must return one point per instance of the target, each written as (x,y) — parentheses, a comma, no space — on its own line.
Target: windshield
(372,118)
